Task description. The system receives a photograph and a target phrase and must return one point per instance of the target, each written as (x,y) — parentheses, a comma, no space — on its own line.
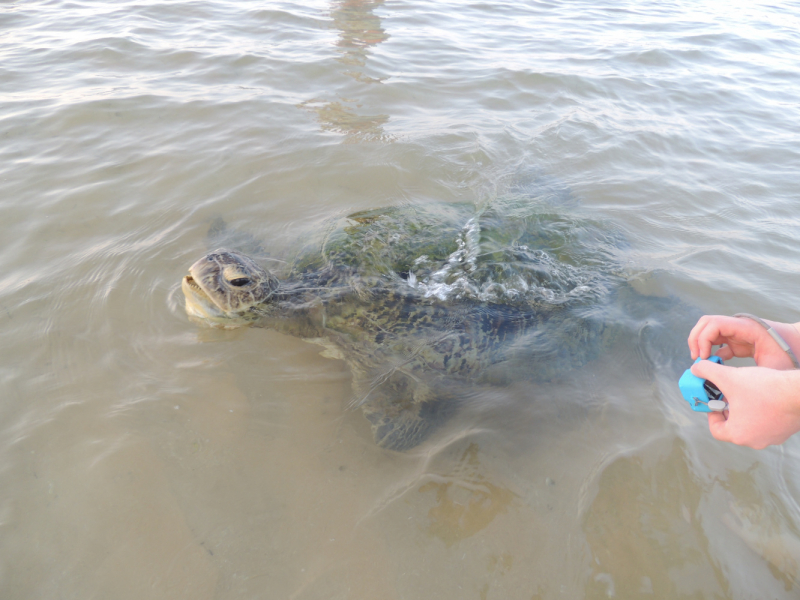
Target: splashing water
(514,274)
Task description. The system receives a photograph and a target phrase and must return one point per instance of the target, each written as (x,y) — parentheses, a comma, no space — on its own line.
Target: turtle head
(225,289)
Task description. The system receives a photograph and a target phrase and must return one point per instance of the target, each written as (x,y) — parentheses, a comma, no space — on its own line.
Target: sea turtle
(422,301)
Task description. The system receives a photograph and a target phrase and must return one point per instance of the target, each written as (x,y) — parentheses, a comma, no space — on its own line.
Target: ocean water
(144,457)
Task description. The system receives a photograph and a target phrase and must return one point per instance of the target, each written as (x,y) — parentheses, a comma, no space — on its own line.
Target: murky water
(142,457)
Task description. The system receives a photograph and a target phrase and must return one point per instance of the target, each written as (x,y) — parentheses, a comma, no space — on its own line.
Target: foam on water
(533,275)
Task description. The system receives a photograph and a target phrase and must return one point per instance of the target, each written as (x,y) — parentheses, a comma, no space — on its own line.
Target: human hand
(763,404)
(742,338)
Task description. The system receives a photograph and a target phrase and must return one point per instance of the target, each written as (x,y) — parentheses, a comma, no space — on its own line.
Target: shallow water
(143,457)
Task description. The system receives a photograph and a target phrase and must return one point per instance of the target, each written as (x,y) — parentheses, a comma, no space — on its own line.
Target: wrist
(788,388)
(790,334)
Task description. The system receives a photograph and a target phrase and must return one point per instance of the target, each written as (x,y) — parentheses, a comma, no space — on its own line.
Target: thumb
(717,424)
(718,374)
(706,369)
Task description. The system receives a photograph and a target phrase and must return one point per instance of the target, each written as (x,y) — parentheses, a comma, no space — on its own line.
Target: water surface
(142,457)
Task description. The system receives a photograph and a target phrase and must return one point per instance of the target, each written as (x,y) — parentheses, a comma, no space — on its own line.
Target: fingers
(764,404)
(704,335)
(725,353)
(717,373)
(694,337)
(717,424)
(740,335)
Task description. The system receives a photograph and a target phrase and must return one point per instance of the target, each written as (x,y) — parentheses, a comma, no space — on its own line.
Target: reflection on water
(339,118)
(359,29)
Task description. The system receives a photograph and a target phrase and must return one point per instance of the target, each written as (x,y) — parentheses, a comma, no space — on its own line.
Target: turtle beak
(198,304)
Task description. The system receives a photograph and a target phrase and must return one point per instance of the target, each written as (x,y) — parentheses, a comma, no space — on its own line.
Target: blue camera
(701,394)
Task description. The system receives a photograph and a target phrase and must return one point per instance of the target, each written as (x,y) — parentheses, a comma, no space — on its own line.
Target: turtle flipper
(402,409)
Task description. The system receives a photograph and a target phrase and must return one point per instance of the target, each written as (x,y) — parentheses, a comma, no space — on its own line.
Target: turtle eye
(240,281)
